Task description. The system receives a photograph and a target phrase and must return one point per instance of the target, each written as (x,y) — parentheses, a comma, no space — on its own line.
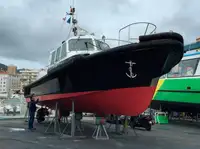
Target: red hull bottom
(127,101)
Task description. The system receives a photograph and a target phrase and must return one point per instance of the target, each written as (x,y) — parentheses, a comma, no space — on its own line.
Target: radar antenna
(74,22)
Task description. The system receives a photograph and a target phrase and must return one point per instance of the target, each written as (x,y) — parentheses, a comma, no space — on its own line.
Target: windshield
(53,57)
(80,44)
(184,69)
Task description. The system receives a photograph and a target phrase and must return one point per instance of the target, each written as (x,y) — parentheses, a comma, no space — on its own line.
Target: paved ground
(161,137)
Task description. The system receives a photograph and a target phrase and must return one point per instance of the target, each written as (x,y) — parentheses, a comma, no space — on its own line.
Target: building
(12,70)
(3,82)
(28,76)
(8,84)
(15,82)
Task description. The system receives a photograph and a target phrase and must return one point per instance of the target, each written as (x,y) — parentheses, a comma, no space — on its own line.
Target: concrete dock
(14,134)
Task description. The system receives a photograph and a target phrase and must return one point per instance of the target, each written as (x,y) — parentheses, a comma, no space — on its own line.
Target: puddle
(76,140)
(16,129)
(42,137)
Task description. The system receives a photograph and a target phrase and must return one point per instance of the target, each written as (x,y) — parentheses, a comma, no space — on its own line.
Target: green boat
(179,90)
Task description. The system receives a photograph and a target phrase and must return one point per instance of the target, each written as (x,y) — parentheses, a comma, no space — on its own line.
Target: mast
(73,21)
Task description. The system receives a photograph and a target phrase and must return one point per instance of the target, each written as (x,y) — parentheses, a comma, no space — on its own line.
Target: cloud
(184,20)
(29,29)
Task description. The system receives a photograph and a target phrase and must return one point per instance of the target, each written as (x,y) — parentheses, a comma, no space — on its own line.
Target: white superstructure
(86,44)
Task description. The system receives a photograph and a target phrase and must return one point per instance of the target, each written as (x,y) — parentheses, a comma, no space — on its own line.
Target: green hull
(180,88)
(184,90)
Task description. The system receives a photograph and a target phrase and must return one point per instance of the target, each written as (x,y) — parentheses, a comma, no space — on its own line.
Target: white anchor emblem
(131,75)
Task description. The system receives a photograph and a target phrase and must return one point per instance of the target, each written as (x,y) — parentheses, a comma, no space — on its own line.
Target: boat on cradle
(100,79)
(179,90)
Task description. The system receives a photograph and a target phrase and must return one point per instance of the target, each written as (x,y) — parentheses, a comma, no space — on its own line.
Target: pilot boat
(100,79)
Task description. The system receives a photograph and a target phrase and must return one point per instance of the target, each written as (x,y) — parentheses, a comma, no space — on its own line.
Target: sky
(30,29)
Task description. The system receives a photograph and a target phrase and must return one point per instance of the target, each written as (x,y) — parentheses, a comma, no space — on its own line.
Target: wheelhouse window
(102,45)
(185,68)
(81,45)
(53,57)
(64,52)
(58,54)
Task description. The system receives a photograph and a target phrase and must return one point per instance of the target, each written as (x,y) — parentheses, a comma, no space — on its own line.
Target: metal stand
(108,128)
(54,122)
(76,127)
(125,124)
(79,126)
(97,134)
(73,121)
(66,126)
(125,127)
(134,131)
(73,125)
(117,126)
(65,119)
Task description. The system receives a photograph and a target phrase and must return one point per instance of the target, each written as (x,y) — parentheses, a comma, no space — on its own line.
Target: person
(32,110)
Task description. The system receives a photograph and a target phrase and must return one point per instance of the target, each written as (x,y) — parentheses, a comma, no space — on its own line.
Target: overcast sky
(29,29)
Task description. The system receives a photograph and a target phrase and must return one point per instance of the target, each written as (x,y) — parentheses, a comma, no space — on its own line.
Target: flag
(69,20)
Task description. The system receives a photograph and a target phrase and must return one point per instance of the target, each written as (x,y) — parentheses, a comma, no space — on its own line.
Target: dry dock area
(14,135)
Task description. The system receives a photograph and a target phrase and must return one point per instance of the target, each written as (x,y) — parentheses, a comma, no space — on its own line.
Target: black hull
(154,56)
(175,106)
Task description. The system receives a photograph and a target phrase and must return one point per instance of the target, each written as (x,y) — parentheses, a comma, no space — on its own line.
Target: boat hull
(115,81)
(126,101)
(177,94)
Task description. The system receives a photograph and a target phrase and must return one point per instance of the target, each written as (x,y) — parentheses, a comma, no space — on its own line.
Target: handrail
(148,23)
(113,39)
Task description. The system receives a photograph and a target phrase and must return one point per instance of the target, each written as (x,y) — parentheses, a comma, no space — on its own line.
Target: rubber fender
(158,36)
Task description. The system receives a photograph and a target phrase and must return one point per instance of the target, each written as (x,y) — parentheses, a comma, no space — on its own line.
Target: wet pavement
(14,135)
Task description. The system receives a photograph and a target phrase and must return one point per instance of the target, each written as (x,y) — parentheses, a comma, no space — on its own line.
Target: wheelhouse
(86,44)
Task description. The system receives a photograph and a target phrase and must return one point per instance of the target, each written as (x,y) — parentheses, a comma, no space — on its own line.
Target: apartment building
(28,76)
(3,82)
(8,83)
